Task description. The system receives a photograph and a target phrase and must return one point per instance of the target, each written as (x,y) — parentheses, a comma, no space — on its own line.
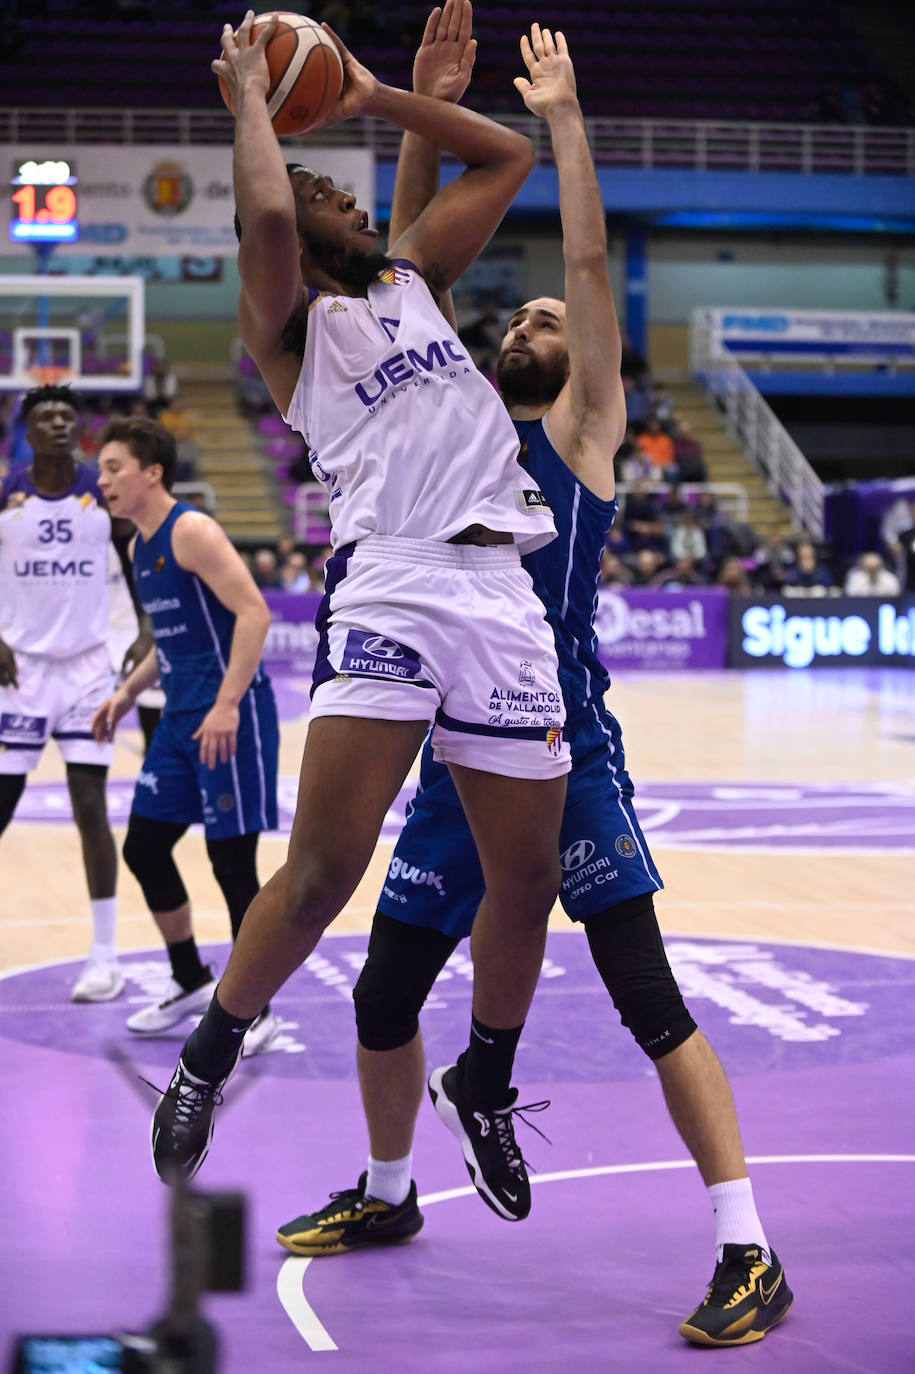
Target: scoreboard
(44,202)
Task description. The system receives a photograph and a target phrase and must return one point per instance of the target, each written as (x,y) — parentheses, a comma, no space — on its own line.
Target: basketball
(306,74)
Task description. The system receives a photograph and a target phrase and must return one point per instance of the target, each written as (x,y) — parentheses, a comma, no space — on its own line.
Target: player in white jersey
(55,669)
(428,617)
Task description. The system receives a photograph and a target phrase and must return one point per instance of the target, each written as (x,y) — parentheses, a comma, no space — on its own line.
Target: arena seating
(772,60)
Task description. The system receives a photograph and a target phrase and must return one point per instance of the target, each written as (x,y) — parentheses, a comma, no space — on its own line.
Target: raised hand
(243,62)
(552,76)
(359,85)
(445,57)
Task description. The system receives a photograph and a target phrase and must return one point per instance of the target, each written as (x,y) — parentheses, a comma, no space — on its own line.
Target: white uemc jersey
(406,436)
(53,566)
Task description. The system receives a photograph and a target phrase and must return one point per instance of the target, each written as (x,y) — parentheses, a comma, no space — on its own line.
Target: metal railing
(754,425)
(699,145)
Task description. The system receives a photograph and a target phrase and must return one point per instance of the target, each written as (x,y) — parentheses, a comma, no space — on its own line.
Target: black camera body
(207,1256)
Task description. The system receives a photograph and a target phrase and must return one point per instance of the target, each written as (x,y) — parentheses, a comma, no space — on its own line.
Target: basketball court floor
(781,810)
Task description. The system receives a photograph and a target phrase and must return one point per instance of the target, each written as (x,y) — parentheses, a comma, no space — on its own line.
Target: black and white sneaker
(488,1143)
(182,1126)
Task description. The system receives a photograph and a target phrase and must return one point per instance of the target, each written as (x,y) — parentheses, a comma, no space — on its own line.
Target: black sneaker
(182,1126)
(351,1221)
(746,1297)
(487,1139)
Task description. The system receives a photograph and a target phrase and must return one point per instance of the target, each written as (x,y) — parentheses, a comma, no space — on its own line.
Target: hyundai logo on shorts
(577,855)
(379,647)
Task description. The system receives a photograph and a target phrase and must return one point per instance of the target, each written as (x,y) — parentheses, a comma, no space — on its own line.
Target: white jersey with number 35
(408,438)
(53,566)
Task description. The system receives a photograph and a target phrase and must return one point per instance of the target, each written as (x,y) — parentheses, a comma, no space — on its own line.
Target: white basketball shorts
(56,699)
(452,634)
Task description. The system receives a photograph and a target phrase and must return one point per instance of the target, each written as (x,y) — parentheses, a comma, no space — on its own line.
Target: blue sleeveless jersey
(191,626)
(566,572)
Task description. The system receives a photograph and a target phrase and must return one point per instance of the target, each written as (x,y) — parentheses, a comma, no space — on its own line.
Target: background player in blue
(213,756)
(55,541)
(558,372)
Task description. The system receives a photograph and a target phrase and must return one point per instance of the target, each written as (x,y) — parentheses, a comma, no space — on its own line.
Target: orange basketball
(306,74)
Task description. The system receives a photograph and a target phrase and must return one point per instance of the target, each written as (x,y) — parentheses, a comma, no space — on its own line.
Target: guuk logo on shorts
(419,877)
(149,780)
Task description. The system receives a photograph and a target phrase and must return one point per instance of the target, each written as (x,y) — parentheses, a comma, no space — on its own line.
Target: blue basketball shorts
(234,798)
(434,878)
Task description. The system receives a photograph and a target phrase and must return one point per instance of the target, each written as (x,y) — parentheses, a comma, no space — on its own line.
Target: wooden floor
(767,727)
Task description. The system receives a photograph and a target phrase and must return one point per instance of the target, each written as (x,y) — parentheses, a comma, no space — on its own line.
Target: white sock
(736,1219)
(104,916)
(389,1179)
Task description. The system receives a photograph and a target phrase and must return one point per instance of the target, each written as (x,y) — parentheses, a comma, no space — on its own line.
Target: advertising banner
(815,333)
(641,629)
(165,200)
(822,632)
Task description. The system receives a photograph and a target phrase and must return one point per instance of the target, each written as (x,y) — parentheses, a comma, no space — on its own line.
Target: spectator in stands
(613,571)
(294,574)
(871,577)
(673,504)
(897,518)
(773,558)
(316,567)
(177,420)
(285,547)
(659,446)
(684,573)
(688,456)
(662,404)
(733,576)
(638,402)
(647,567)
(687,538)
(160,388)
(266,572)
(706,510)
(809,576)
(642,520)
(906,561)
(617,540)
(631,464)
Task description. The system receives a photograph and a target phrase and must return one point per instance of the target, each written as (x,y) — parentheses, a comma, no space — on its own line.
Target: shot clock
(44,202)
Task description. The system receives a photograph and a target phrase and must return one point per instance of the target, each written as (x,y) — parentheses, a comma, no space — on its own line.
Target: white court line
(289,1282)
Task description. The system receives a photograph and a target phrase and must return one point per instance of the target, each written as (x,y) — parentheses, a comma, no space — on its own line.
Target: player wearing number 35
(55,535)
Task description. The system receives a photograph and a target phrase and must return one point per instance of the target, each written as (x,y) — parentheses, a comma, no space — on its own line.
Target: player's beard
(348,266)
(530,381)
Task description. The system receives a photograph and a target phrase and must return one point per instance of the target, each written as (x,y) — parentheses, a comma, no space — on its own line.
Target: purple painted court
(820,1048)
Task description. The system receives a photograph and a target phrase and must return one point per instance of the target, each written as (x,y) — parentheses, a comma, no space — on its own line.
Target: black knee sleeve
(148,854)
(234,863)
(403,962)
(629,955)
(11,789)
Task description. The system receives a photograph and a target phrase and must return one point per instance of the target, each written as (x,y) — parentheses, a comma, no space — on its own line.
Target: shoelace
(732,1282)
(506,1134)
(189,1098)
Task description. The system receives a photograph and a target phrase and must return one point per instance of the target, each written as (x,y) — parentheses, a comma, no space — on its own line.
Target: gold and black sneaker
(352,1221)
(746,1297)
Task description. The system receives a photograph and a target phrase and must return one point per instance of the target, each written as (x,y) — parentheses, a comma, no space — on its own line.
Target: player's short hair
(147,440)
(40,394)
(292,169)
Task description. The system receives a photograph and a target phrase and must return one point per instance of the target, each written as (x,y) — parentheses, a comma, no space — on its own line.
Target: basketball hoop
(49,375)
